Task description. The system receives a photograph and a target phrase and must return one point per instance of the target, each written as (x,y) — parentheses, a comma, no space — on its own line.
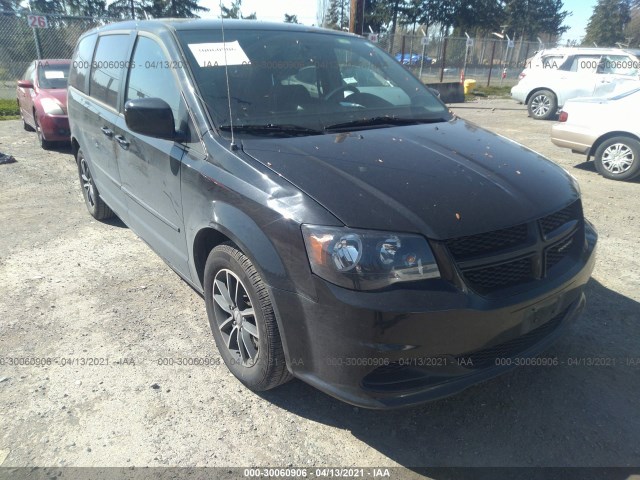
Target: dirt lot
(73,288)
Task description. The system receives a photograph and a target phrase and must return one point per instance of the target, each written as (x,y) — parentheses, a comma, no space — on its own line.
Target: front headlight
(51,107)
(367,259)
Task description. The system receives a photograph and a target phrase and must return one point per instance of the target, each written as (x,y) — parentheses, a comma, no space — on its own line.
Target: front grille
(466,247)
(510,273)
(488,357)
(554,221)
(493,261)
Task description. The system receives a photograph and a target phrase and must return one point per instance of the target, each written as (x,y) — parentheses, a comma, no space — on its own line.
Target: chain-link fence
(26,37)
(51,36)
(489,61)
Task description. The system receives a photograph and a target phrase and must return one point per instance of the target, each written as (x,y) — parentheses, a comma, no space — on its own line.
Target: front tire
(618,158)
(44,143)
(542,105)
(96,206)
(242,320)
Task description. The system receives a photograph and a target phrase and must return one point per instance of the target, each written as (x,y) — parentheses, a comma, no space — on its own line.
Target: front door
(150,167)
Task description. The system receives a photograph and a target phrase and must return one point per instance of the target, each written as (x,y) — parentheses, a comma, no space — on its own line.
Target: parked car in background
(413,59)
(550,58)
(605,129)
(587,73)
(42,99)
(375,250)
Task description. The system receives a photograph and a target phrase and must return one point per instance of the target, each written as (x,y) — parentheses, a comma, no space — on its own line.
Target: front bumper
(406,346)
(55,128)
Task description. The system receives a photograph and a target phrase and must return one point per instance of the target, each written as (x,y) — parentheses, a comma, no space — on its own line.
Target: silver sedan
(606,129)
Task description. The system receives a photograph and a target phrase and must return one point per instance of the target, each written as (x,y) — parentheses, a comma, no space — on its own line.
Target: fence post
(444,57)
(493,52)
(36,39)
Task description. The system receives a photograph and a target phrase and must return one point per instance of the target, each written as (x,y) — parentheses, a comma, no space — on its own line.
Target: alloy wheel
(87,182)
(540,105)
(617,158)
(235,317)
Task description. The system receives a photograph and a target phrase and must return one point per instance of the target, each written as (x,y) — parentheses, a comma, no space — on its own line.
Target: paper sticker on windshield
(213,54)
(50,74)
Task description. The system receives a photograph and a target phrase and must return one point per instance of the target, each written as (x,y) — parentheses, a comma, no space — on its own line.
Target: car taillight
(521,76)
(564,116)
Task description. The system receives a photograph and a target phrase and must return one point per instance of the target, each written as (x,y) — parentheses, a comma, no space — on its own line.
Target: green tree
(290,18)
(47,6)
(632,31)
(607,23)
(234,11)
(377,15)
(87,8)
(530,18)
(338,15)
(122,9)
(11,6)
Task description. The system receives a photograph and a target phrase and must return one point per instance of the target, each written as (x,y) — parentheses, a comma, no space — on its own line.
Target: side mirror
(150,116)
(25,84)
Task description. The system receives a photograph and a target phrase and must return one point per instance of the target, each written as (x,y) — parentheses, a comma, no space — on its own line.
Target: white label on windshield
(49,74)
(213,54)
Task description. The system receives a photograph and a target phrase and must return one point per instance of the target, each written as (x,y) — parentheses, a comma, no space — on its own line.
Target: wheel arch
(229,224)
(603,138)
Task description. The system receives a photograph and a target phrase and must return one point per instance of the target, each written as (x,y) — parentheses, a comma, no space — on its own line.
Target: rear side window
(108,64)
(81,63)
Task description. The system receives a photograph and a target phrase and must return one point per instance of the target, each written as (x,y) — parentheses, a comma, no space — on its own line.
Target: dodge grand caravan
(362,239)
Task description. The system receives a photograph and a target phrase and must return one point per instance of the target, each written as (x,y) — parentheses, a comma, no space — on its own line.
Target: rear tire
(618,158)
(242,320)
(96,206)
(542,105)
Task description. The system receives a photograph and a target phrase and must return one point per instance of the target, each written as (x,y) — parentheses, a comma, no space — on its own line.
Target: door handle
(107,132)
(122,141)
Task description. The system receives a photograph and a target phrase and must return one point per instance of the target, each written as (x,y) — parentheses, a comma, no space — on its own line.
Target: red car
(42,98)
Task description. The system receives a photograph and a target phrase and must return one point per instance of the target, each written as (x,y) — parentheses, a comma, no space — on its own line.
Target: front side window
(152,76)
(107,67)
(302,79)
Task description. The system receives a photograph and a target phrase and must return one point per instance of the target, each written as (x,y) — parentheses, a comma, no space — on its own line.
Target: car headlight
(367,259)
(51,107)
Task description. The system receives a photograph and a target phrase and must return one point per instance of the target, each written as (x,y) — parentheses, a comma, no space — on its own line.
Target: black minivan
(343,226)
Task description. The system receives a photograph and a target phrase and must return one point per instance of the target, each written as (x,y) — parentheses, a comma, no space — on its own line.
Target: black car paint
(441,180)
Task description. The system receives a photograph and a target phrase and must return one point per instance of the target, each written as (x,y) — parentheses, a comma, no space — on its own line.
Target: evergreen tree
(338,15)
(530,18)
(290,18)
(234,11)
(607,23)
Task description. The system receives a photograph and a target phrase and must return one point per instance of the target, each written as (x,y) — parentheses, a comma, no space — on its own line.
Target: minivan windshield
(289,82)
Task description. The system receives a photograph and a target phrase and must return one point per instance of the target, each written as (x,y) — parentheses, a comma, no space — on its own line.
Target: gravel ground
(73,288)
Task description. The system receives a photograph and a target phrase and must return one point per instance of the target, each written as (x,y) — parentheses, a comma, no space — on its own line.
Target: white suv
(587,72)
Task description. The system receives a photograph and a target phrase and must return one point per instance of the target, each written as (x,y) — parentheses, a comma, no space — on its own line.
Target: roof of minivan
(200,24)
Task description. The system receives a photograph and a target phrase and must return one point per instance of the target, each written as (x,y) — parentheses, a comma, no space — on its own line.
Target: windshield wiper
(271,128)
(382,121)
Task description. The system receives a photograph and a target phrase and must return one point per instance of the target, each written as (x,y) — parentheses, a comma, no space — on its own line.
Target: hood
(59,94)
(442,180)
